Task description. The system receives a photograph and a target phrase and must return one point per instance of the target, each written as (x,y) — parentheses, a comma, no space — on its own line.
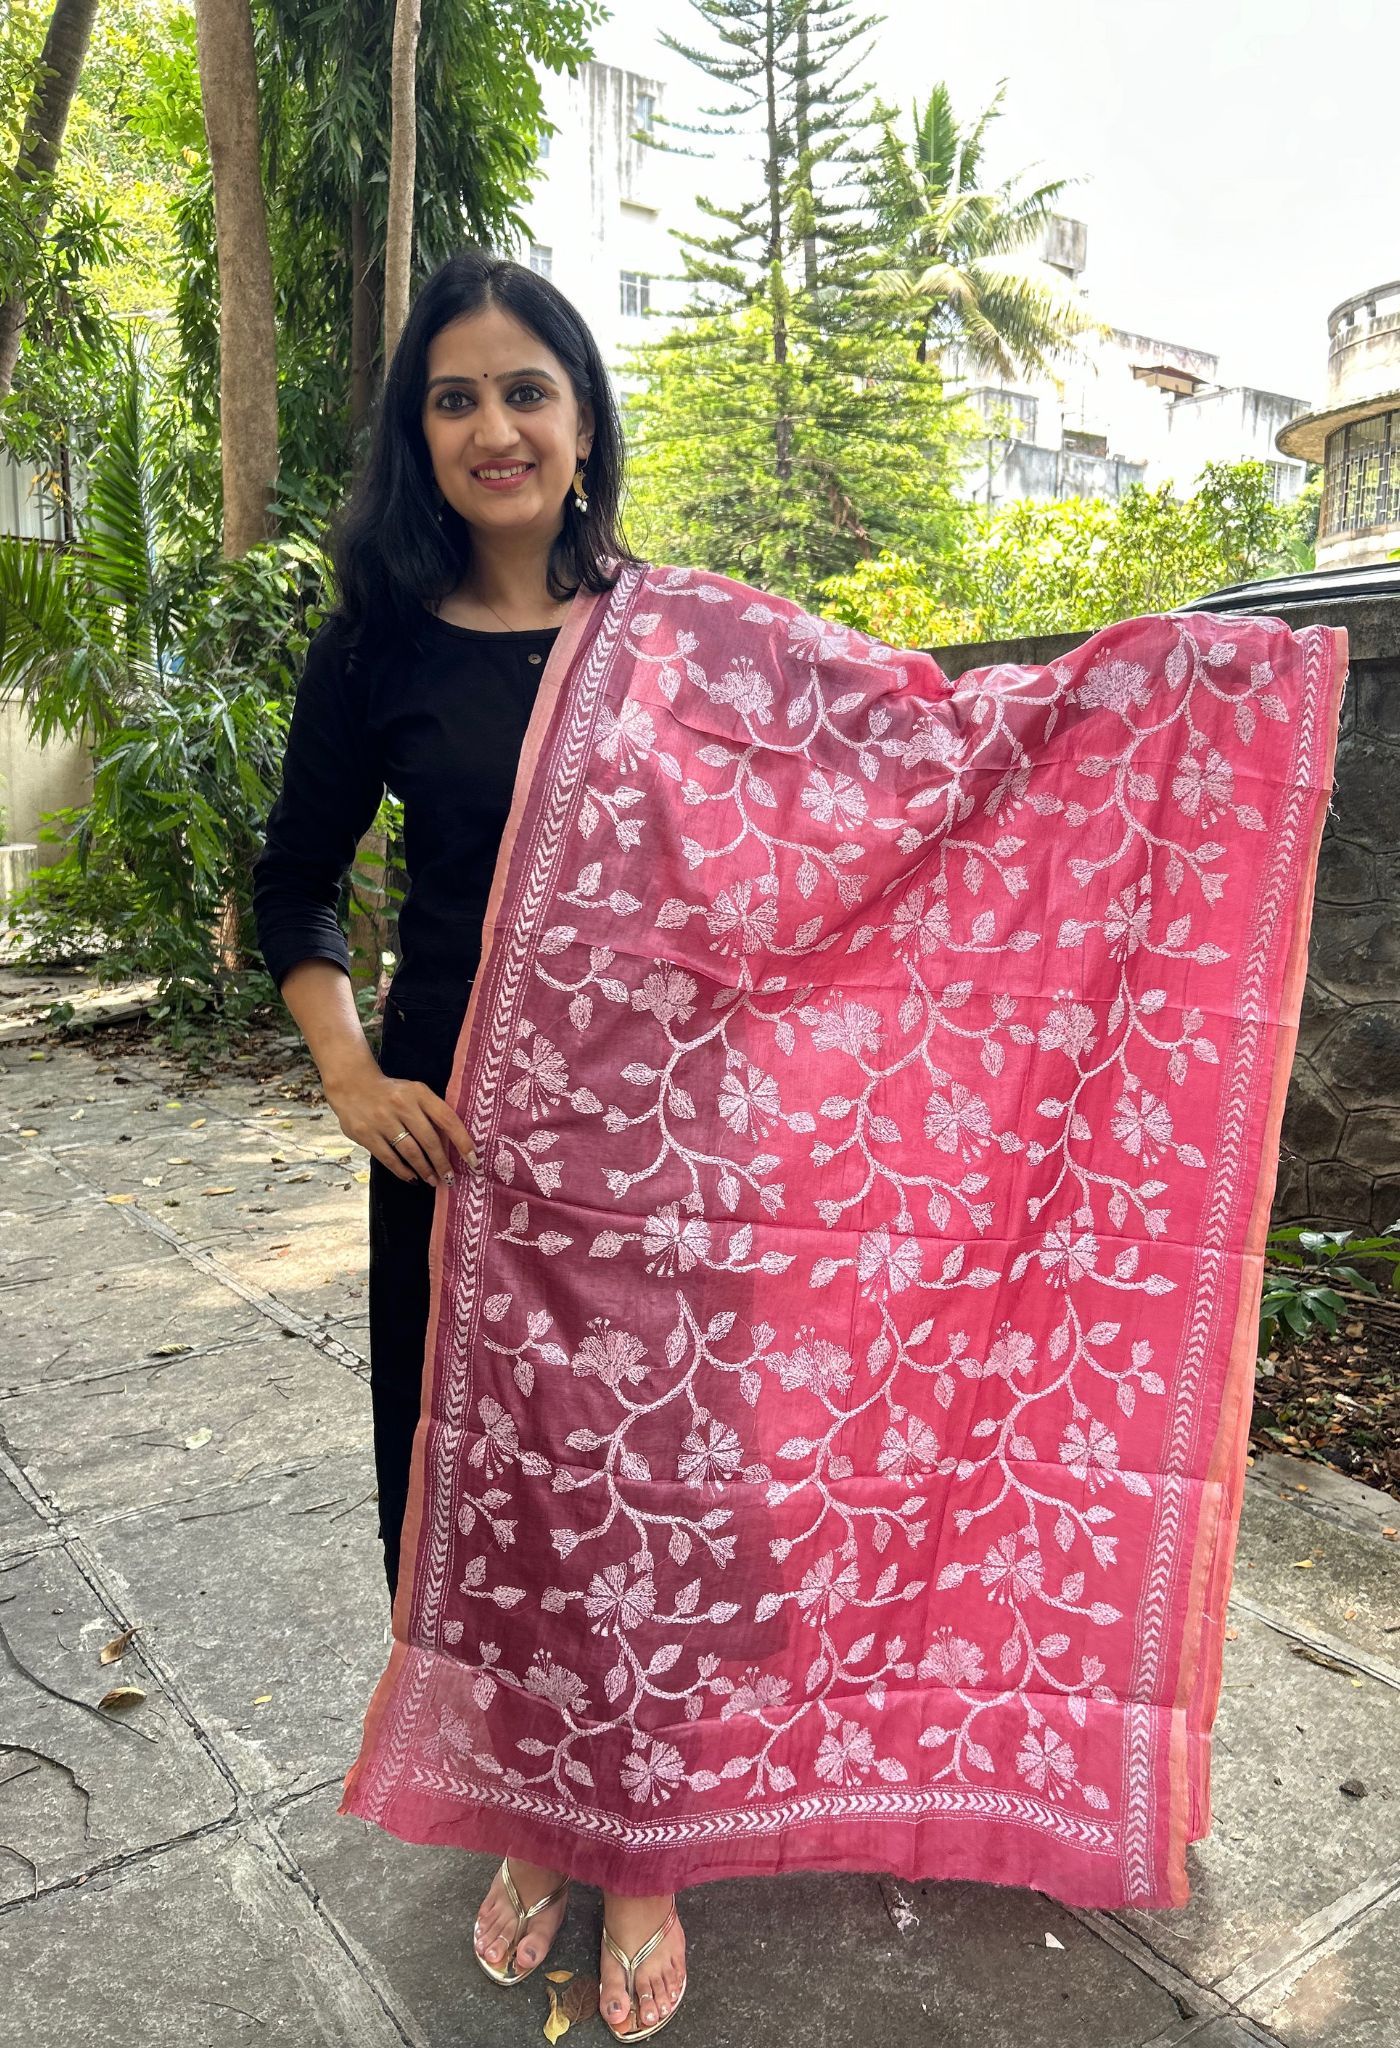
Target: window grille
(636,294)
(541,259)
(1362,488)
(644,112)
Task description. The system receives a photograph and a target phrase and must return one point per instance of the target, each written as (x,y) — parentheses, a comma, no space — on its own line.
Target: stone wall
(1340,1157)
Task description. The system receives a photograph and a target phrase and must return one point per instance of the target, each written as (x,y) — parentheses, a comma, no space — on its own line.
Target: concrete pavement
(185,1445)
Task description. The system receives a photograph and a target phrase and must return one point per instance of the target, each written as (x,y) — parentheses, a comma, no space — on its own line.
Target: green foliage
(865,461)
(1076,564)
(951,255)
(1301,1271)
(894,597)
(180,676)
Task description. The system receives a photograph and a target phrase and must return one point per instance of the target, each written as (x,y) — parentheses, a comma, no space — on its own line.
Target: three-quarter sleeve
(332,783)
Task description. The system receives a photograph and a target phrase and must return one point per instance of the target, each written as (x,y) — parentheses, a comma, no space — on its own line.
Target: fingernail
(450,1179)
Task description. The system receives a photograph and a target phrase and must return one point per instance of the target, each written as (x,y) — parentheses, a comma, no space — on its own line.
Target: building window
(643,112)
(541,260)
(636,294)
(1363,476)
(542,150)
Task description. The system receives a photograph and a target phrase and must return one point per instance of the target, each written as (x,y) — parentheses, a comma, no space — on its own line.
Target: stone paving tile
(20,1525)
(802,1961)
(207,1946)
(274,1587)
(1349,1997)
(1350,1588)
(70,1233)
(141,1792)
(99,1447)
(1285,1841)
(114,1321)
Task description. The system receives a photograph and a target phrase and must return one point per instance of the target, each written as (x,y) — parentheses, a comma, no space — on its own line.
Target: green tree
(948,267)
(867,459)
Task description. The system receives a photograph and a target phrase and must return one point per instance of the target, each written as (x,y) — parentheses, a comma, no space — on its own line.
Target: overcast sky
(1238,160)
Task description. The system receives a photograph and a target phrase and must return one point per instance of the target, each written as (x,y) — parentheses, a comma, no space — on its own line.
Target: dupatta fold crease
(838,1383)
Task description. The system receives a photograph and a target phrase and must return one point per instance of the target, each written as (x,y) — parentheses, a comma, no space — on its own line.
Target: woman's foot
(661,1978)
(497,1921)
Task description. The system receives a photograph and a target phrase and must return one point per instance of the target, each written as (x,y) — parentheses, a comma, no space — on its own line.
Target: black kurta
(441,726)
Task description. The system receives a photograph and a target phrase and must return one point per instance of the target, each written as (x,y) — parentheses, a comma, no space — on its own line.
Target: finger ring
(399,1140)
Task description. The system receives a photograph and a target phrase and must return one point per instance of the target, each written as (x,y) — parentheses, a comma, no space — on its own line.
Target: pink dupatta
(839,1375)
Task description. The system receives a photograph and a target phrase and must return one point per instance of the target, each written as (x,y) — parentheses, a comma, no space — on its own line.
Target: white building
(604,202)
(1126,408)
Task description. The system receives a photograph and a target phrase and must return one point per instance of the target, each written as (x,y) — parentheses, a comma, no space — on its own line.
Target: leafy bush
(1301,1270)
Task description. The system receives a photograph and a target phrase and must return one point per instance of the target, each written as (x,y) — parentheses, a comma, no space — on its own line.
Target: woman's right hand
(407,1128)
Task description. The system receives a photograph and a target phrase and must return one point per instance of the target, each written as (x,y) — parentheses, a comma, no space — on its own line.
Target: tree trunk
(403,163)
(60,68)
(804,152)
(364,319)
(228,82)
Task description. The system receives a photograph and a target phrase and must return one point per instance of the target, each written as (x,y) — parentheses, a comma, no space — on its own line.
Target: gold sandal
(506,1973)
(630,1967)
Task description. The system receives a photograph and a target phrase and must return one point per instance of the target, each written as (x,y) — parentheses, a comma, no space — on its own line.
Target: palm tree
(957,265)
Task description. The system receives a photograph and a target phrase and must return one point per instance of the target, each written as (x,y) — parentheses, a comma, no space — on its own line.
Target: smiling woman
(922,1576)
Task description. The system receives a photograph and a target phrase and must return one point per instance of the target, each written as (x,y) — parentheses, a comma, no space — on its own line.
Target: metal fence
(1363,476)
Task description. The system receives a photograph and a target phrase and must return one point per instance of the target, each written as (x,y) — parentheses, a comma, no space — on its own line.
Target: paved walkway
(184,1446)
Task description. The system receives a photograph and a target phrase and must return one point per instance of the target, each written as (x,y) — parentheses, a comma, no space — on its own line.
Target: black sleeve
(332,783)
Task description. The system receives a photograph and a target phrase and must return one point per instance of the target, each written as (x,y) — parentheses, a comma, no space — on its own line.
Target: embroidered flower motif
(613,1356)
(930,740)
(1142,1128)
(1120,686)
(1090,1452)
(499,1442)
(753,925)
(668,994)
(1012,1352)
(758,1692)
(1015,1578)
(747,1098)
(1127,923)
(1204,789)
(710,1455)
(952,1660)
(545,1079)
(923,928)
(1065,1257)
(1046,1761)
(846,1754)
(815,1363)
(853,1028)
(834,800)
(655,1773)
(908,1456)
(814,639)
(613,1606)
(960,1122)
(826,1587)
(673,1243)
(557,1684)
(886,1263)
(746,688)
(1069,1029)
(627,736)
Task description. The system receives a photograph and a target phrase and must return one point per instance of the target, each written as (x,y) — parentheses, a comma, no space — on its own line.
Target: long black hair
(398,547)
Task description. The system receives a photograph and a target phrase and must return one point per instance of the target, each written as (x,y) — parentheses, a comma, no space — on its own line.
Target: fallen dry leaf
(121,1198)
(558,1976)
(580,2000)
(363,1174)
(1050,1942)
(199,1439)
(1302,1564)
(1232,1635)
(218,1191)
(198,1123)
(113,1652)
(169,1350)
(179,1162)
(29,1134)
(121,1697)
(172,1105)
(264,1699)
(556,2025)
(148,1182)
(336,1151)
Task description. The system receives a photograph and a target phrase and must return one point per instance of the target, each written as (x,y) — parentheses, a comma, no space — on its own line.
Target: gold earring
(580,493)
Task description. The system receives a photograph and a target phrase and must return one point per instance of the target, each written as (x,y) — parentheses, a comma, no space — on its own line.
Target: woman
(829,1241)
